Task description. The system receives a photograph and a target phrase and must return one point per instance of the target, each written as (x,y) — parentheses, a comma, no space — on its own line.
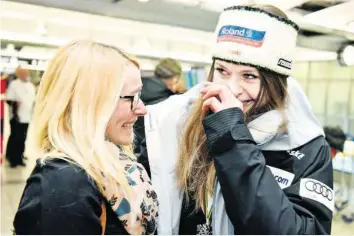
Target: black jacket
(154,91)
(254,200)
(60,198)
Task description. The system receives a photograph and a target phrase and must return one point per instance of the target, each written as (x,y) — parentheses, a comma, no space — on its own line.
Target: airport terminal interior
(32,30)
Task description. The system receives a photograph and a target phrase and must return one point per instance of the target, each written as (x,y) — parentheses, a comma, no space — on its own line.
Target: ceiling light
(143,0)
(10,48)
(14,61)
(346,55)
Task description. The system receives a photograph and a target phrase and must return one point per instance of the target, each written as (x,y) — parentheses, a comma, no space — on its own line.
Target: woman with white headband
(251,156)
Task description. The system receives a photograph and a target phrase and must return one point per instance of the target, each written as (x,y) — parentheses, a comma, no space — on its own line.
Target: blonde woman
(86,180)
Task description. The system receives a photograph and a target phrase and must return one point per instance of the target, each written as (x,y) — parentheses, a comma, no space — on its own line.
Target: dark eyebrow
(254,71)
(250,71)
(218,64)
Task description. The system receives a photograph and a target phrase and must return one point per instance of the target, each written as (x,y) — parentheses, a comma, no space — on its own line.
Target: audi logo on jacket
(250,183)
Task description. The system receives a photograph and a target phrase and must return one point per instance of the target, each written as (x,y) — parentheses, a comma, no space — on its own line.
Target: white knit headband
(255,37)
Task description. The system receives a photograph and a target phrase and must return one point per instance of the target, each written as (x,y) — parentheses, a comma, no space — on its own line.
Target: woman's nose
(235,86)
(140,109)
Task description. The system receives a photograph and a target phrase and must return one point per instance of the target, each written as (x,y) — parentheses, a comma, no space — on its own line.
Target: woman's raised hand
(218,97)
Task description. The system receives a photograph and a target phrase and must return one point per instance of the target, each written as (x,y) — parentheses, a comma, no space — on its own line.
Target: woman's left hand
(218,97)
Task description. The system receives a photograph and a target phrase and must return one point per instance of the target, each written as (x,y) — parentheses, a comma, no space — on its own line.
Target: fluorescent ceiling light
(346,55)
(143,1)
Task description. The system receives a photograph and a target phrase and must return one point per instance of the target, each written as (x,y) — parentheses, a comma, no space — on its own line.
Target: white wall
(330,88)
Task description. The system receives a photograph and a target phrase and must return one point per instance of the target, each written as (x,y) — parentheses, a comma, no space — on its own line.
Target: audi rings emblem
(319,189)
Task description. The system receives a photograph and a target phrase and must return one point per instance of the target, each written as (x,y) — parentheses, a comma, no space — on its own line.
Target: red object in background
(2,111)
(3,85)
(2,105)
(333,152)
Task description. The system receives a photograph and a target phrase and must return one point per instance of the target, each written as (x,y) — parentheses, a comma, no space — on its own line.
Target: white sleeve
(162,128)
(160,135)
(11,93)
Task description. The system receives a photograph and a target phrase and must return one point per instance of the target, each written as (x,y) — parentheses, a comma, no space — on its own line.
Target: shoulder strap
(103,217)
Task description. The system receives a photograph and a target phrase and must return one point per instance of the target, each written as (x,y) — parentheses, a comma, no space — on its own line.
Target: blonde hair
(76,98)
(195,167)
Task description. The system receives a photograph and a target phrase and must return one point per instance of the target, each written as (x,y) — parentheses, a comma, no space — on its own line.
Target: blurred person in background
(336,138)
(249,157)
(20,96)
(168,81)
(169,72)
(86,179)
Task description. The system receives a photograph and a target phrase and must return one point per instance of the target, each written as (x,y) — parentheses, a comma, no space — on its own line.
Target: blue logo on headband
(238,34)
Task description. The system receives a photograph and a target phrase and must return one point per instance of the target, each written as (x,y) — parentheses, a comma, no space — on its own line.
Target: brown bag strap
(103,217)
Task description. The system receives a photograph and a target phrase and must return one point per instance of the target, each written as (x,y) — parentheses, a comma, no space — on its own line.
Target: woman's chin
(124,139)
(247,108)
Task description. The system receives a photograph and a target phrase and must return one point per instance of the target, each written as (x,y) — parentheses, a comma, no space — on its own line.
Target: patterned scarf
(139,212)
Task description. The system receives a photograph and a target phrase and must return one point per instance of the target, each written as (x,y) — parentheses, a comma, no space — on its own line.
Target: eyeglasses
(134,100)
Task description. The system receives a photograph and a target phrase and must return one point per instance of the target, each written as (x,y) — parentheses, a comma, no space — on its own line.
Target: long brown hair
(195,167)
